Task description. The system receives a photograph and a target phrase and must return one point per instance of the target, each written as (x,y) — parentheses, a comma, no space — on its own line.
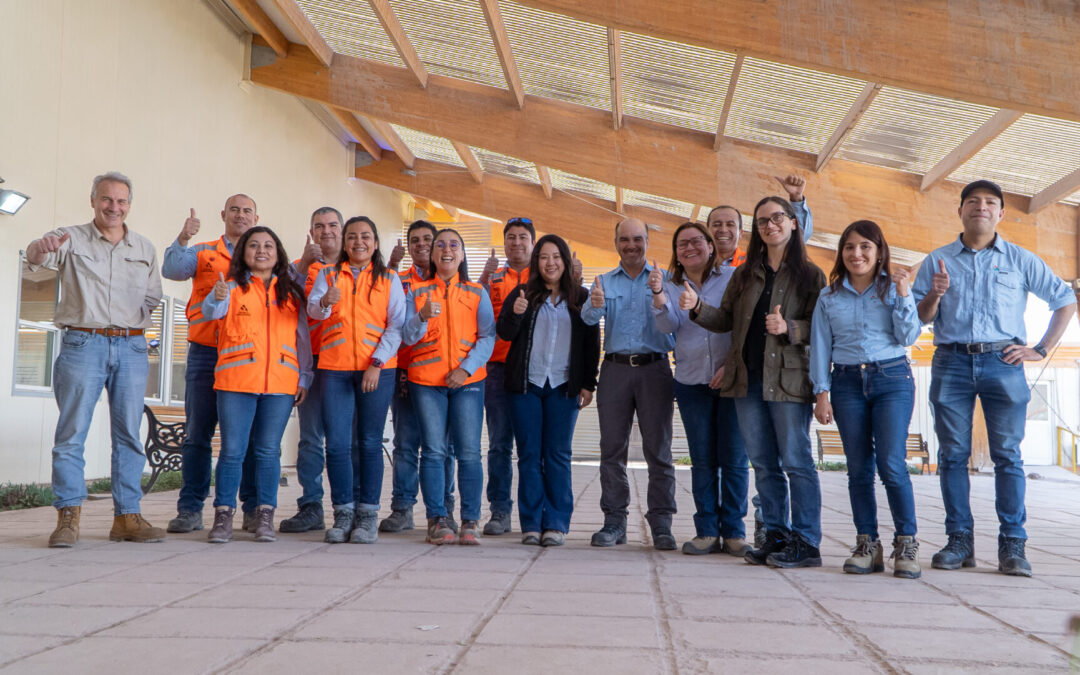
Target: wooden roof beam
(545,179)
(614,50)
(733,82)
(978,140)
(1062,188)
(696,213)
(357,131)
(936,46)
(468,158)
(401,41)
(263,25)
(394,141)
(497,28)
(303,26)
(620,204)
(843,130)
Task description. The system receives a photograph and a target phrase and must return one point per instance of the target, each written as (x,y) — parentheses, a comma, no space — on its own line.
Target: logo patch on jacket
(243,311)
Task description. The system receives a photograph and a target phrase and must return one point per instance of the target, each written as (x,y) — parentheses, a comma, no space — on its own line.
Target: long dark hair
(377,264)
(463,268)
(536,290)
(241,273)
(676,268)
(800,269)
(870,230)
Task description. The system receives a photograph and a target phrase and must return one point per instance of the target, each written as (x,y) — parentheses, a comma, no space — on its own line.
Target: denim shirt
(180,261)
(549,360)
(988,291)
(390,340)
(699,352)
(850,328)
(629,326)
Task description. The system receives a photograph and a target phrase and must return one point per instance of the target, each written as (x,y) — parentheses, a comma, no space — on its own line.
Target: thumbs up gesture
(430,309)
(491,265)
(774,323)
(576,269)
(902,279)
(656,279)
(940,282)
(688,299)
(189,230)
(521,304)
(396,254)
(333,295)
(312,252)
(596,297)
(50,243)
(793,185)
(221,289)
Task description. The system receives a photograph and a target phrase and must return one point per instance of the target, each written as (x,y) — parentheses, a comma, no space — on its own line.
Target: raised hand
(521,304)
(688,299)
(491,265)
(576,269)
(50,243)
(189,230)
(430,309)
(596,296)
(221,289)
(656,279)
(793,185)
(902,279)
(332,297)
(774,323)
(312,252)
(940,282)
(396,255)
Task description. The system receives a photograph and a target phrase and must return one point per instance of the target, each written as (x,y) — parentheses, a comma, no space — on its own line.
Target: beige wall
(152,88)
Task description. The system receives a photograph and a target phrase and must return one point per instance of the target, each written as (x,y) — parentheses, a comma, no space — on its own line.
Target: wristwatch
(1040,350)
(379,364)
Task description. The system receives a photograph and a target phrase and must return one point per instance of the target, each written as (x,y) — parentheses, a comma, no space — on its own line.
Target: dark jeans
(544,420)
(624,390)
(355,470)
(251,425)
(500,427)
(311,450)
(406,473)
(719,473)
(872,404)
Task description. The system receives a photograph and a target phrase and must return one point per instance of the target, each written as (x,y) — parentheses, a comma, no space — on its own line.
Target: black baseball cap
(982,184)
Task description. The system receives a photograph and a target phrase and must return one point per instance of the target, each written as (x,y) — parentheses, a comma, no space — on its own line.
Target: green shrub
(24,496)
(170,480)
(684,461)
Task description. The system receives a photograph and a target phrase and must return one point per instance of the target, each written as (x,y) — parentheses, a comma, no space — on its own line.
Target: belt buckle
(975,348)
(634,360)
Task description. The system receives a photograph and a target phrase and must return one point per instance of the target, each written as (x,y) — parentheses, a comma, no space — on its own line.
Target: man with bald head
(202,263)
(634,378)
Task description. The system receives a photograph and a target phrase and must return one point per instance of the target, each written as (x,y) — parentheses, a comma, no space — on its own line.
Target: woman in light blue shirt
(862,325)
(720,473)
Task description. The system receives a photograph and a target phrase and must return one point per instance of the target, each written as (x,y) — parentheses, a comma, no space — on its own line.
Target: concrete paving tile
(17,646)
(870,612)
(175,574)
(879,587)
(583,603)
(574,583)
(541,631)
(959,580)
(767,587)
(381,625)
(762,639)
(705,663)
(958,667)
(14,590)
(340,577)
(1035,620)
(703,606)
(208,622)
(413,578)
(102,594)
(1046,598)
(633,564)
(232,555)
(20,554)
(265,596)
(464,564)
(494,660)
(65,621)
(996,646)
(1066,642)
(47,570)
(345,658)
(131,656)
(120,553)
(451,600)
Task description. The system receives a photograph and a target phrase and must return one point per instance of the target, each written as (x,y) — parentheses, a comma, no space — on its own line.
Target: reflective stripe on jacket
(257,342)
(409,279)
(450,335)
(356,323)
(213,258)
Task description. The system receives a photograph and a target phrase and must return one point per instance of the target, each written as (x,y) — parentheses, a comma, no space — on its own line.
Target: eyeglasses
(453,245)
(692,242)
(775,219)
(519,221)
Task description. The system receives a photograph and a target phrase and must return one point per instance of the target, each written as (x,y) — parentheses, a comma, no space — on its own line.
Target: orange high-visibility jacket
(451,335)
(314,325)
(257,350)
(501,283)
(409,278)
(351,333)
(213,258)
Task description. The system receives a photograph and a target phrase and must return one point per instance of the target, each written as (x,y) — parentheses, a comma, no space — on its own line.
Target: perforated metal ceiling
(506,165)
(426,146)
(351,27)
(672,206)
(451,38)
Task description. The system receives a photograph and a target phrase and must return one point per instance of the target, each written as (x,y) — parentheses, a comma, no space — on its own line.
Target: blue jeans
(719,474)
(457,415)
(544,420)
(87,364)
(500,426)
(355,469)
(311,450)
(258,421)
(406,473)
(777,436)
(872,404)
(956,380)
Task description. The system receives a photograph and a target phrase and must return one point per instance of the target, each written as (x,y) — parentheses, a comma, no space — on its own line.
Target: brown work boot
(264,524)
(221,532)
(67,527)
(133,527)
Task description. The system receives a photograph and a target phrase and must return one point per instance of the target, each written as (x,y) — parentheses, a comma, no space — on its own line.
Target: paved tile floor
(402,606)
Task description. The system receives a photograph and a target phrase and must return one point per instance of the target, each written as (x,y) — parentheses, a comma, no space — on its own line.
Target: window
(156,380)
(37,339)
(178,348)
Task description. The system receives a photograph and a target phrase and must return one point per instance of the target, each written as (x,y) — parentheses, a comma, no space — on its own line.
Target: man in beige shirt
(109,288)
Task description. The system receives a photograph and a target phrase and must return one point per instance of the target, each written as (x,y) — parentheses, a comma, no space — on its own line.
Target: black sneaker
(612,533)
(309,517)
(959,552)
(499,524)
(398,521)
(344,518)
(775,541)
(1011,558)
(185,521)
(798,553)
(662,539)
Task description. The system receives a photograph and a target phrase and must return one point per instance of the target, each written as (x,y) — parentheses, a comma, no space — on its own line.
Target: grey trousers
(650,392)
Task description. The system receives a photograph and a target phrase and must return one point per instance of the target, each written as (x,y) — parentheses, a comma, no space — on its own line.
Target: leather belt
(978,347)
(870,365)
(635,360)
(109,332)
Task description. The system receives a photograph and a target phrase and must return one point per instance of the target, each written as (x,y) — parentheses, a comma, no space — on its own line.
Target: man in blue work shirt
(635,376)
(974,290)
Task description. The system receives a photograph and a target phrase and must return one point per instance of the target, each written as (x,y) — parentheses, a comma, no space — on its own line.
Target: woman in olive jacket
(767,307)
(550,374)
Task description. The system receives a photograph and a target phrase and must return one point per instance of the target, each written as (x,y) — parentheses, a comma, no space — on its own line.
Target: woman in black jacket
(550,374)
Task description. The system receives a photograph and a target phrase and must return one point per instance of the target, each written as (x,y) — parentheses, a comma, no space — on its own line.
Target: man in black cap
(974,290)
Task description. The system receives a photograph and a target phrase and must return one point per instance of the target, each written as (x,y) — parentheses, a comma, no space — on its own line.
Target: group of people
(762,341)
